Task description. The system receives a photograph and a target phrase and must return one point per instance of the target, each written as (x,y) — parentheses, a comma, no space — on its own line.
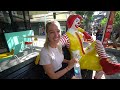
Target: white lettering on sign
(109,26)
(109,30)
(106,39)
(105,42)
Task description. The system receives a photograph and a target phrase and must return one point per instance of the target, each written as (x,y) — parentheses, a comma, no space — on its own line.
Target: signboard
(108,28)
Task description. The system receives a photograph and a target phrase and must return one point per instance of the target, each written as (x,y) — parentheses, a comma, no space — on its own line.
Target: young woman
(51,56)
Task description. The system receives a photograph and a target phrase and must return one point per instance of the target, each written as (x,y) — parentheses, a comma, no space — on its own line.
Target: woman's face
(53,33)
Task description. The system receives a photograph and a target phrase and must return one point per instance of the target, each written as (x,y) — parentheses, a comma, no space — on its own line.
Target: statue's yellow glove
(80,29)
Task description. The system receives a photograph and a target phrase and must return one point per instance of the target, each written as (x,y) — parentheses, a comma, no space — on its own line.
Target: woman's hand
(66,61)
(71,63)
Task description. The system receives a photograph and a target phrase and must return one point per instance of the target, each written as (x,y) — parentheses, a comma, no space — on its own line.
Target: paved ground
(114,55)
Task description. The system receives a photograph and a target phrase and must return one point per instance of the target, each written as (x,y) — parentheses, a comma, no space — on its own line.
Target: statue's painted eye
(77,20)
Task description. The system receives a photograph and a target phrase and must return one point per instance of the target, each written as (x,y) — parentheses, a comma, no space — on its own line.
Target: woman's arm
(50,72)
(64,40)
(65,61)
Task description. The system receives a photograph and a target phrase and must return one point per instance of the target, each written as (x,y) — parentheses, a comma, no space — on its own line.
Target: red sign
(108,28)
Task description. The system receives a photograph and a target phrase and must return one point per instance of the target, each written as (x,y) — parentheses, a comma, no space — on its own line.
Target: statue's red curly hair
(71,19)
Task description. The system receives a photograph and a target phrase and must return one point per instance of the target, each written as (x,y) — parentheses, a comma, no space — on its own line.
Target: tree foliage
(87,15)
(103,22)
(116,24)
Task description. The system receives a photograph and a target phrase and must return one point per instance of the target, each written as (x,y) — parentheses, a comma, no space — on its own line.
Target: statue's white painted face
(76,23)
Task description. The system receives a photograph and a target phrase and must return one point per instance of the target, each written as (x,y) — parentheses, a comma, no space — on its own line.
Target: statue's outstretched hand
(81,30)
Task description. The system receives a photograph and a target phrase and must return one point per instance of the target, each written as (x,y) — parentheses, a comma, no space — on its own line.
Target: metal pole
(54,15)
(45,23)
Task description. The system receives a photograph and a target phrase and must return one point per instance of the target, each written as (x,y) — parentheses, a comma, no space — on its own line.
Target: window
(27,20)
(18,20)
(12,21)
(3,26)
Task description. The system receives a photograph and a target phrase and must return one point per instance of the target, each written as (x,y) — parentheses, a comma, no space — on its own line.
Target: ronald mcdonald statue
(93,57)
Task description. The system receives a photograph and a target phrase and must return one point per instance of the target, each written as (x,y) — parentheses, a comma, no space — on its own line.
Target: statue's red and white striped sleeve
(65,40)
(100,49)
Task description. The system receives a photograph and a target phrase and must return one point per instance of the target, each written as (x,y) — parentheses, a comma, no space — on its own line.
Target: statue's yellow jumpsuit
(88,57)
